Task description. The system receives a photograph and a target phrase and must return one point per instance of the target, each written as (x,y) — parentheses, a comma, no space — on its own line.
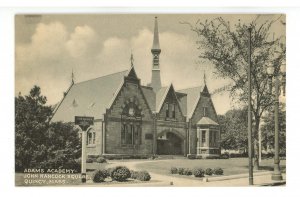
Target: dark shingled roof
(89,98)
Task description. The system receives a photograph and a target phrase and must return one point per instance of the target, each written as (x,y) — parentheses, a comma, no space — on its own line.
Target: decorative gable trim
(130,74)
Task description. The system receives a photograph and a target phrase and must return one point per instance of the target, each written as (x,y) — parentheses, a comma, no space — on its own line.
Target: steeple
(155,81)
(155,45)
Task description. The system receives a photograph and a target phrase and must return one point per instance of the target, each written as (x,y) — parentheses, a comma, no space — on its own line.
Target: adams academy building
(132,119)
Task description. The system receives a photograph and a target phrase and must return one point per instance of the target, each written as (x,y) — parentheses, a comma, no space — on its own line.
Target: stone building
(132,119)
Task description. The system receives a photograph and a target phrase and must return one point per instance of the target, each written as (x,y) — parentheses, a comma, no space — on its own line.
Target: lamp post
(271,72)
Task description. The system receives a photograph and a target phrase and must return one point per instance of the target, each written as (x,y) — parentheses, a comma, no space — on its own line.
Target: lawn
(230,166)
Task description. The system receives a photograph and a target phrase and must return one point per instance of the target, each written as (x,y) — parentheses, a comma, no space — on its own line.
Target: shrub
(187,171)
(99,176)
(101,160)
(133,174)
(89,160)
(174,170)
(198,172)
(73,164)
(198,157)
(238,155)
(143,176)
(208,171)
(212,157)
(180,171)
(120,173)
(191,156)
(224,155)
(218,171)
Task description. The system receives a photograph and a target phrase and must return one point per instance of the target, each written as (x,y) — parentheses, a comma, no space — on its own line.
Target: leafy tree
(234,129)
(268,129)
(38,143)
(31,117)
(226,48)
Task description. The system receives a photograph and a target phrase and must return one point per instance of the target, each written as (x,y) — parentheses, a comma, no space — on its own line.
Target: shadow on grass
(270,168)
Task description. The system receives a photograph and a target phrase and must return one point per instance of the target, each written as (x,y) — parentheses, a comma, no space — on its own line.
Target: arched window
(91,137)
(131,126)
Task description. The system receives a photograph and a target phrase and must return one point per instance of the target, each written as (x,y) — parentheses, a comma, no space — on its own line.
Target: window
(204,111)
(91,137)
(167,110)
(203,136)
(123,134)
(173,111)
(131,134)
(137,135)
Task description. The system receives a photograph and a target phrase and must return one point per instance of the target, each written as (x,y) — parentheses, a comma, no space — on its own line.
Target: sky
(49,47)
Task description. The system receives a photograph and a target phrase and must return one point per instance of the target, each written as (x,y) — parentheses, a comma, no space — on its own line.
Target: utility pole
(249,113)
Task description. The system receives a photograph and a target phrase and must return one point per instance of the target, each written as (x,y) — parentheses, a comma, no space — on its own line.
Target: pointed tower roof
(155,45)
(205,91)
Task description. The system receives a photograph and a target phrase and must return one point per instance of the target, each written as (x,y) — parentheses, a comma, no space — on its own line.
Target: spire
(131,59)
(155,45)
(204,77)
(155,81)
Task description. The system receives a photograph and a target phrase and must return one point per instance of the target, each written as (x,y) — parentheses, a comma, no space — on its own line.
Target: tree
(234,129)
(39,143)
(226,48)
(268,128)
(31,117)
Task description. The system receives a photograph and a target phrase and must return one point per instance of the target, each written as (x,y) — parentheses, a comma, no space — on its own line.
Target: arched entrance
(170,143)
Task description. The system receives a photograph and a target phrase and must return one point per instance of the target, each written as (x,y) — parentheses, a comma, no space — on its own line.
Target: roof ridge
(102,76)
(198,86)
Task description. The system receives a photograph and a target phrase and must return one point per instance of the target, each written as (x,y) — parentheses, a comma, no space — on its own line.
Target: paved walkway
(260,179)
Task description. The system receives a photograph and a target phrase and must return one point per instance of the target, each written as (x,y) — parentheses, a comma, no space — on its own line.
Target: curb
(237,176)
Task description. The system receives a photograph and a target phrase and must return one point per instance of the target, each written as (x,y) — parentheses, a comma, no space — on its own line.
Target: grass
(230,166)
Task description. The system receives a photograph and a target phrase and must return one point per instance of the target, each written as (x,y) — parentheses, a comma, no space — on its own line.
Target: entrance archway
(170,143)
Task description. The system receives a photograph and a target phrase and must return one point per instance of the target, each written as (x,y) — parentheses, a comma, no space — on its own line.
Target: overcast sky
(49,47)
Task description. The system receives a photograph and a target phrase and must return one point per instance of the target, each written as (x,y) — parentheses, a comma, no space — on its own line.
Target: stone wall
(129,93)
(96,149)
(210,111)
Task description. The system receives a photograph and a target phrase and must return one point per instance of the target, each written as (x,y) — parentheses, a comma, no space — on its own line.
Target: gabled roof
(160,97)
(193,96)
(206,121)
(90,98)
(150,97)
(182,98)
